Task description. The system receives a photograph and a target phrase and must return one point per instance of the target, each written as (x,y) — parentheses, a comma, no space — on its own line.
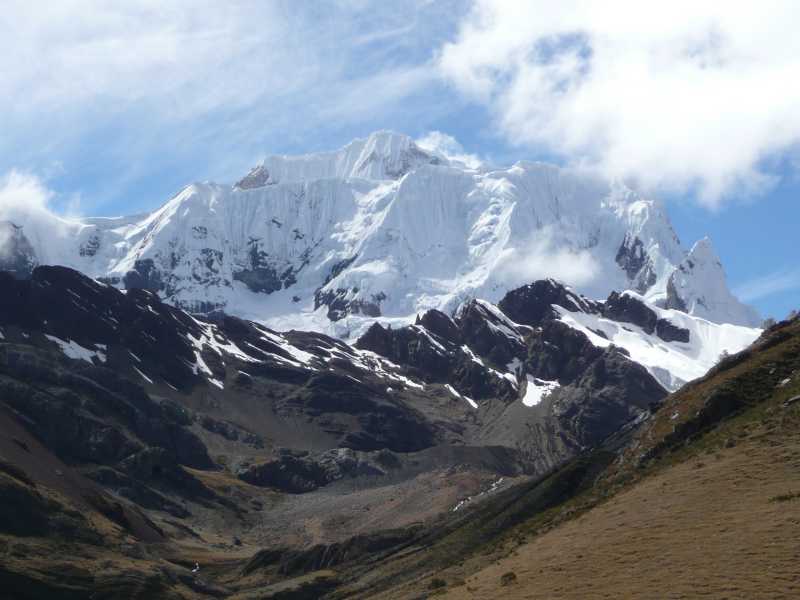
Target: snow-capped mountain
(698,287)
(384,228)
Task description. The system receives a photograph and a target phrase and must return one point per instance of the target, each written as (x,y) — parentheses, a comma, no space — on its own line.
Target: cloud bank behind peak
(681,96)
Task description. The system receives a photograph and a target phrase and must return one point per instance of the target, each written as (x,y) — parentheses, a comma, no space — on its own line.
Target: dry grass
(721,522)
(714,513)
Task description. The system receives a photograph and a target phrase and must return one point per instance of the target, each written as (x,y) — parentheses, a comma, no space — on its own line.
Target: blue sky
(116,111)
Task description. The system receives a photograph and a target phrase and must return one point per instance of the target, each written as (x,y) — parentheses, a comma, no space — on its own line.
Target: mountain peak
(383,155)
(698,285)
(387,136)
(703,251)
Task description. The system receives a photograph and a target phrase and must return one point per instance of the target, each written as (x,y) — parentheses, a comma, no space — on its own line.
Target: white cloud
(783,280)
(542,258)
(141,86)
(24,202)
(22,194)
(448,147)
(682,95)
(186,58)
(182,58)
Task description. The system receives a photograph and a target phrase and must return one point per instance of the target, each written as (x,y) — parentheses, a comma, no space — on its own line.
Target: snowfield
(537,390)
(671,363)
(382,229)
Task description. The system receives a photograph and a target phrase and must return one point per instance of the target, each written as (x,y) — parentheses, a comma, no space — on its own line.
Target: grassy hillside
(704,502)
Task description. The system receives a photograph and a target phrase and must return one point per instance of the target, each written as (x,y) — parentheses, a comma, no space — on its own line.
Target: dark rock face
(634,260)
(532,304)
(90,246)
(611,391)
(88,412)
(90,415)
(231,431)
(559,352)
(256,178)
(260,279)
(673,298)
(441,325)
(489,334)
(412,346)
(158,465)
(288,474)
(669,332)
(626,308)
(300,474)
(438,359)
(261,276)
(156,340)
(81,418)
(380,423)
(96,313)
(338,267)
(136,491)
(144,276)
(631,256)
(342,302)
(16,253)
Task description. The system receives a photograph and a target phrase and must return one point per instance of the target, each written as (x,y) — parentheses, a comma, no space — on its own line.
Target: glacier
(385,229)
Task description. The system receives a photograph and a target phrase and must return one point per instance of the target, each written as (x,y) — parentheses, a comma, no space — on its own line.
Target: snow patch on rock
(74,350)
(457,394)
(537,390)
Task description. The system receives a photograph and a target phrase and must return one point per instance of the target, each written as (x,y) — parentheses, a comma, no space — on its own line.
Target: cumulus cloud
(542,258)
(687,96)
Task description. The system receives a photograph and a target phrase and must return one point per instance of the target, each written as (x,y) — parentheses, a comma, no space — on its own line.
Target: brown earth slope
(704,503)
(715,526)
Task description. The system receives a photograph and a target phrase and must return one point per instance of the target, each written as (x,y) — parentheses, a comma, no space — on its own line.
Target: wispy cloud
(685,95)
(543,257)
(448,146)
(118,91)
(680,95)
(784,280)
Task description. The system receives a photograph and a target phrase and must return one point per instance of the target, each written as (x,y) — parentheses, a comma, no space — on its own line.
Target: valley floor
(721,525)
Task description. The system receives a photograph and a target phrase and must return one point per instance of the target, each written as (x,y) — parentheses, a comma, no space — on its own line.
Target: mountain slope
(473,380)
(384,228)
(264,455)
(717,517)
(701,499)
